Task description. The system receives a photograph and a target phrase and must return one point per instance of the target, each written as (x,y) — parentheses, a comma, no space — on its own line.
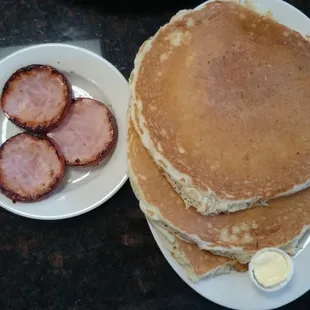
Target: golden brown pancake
(222,99)
(238,235)
(197,263)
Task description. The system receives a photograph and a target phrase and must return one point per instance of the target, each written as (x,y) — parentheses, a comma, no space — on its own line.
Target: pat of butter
(270,269)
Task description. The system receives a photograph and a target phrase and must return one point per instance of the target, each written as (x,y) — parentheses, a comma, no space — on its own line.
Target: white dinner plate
(83,188)
(235,290)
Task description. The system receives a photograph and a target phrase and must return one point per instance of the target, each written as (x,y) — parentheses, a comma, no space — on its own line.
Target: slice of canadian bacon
(36,98)
(87,134)
(31,167)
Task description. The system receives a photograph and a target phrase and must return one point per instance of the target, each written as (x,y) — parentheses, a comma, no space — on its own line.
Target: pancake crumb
(163,57)
(235,230)
(175,39)
(190,22)
(181,150)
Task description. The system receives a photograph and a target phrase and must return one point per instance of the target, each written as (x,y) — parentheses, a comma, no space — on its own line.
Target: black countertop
(106,259)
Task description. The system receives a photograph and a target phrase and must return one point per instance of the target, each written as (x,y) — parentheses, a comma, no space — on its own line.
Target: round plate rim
(125,176)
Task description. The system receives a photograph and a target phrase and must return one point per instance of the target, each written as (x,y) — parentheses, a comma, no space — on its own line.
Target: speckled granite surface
(106,259)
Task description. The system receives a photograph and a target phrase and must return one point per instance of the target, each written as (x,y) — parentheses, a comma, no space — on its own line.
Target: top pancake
(222,98)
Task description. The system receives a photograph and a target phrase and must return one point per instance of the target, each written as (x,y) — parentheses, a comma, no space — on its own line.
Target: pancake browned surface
(239,234)
(197,263)
(222,97)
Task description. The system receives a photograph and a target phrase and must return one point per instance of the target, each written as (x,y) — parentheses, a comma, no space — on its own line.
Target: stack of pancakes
(219,136)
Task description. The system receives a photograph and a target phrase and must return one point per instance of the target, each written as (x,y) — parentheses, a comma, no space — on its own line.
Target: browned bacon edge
(67,97)
(56,179)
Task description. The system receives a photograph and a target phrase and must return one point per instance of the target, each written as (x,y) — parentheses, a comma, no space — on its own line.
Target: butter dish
(271,269)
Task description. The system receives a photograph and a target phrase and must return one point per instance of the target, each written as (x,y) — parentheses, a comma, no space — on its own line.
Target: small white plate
(236,290)
(83,189)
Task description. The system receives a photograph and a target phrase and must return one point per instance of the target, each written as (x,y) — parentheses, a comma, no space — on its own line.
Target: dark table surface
(106,259)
